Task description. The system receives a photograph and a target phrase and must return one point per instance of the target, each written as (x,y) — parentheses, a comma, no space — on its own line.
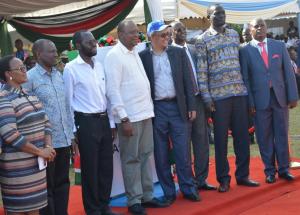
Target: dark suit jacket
(192,50)
(182,80)
(256,75)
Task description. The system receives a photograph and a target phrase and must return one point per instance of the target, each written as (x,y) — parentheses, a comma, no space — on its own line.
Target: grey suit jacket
(182,80)
(257,76)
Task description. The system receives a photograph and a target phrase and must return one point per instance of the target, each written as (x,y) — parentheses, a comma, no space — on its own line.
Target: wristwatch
(125,119)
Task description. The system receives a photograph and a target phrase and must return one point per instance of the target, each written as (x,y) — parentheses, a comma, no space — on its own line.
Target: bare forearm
(48,140)
(31,149)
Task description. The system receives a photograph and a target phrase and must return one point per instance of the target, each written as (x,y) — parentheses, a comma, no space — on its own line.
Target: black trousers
(231,113)
(58,183)
(96,157)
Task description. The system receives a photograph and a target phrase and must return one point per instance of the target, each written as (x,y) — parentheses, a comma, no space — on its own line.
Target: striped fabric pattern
(22,119)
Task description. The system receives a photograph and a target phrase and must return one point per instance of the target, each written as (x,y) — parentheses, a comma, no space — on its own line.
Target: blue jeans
(168,123)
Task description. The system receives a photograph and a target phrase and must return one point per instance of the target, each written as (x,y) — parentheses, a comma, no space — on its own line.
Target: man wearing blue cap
(174,105)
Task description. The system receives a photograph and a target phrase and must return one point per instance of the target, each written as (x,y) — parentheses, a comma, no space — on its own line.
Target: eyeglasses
(20,69)
(164,35)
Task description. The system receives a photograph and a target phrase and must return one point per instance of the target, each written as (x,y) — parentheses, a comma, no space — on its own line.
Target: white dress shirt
(255,43)
(86,87)
(128,87)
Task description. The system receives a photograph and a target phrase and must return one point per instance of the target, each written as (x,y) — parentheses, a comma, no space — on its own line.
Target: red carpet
(279,198)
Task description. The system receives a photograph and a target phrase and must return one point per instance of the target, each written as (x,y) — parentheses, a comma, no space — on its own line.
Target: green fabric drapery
(5,39)
(147,13)
(59,28)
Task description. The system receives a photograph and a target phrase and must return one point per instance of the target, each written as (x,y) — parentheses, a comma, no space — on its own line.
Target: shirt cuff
(122,114)
(112,123)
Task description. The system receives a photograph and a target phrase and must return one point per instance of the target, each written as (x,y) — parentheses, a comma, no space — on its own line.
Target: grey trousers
(135,152)
(200,143)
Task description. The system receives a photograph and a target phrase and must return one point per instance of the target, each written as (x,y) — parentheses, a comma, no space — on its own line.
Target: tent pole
(298,18)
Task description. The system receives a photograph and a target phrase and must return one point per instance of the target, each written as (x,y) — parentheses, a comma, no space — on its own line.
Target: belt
(168,100)
(95,115)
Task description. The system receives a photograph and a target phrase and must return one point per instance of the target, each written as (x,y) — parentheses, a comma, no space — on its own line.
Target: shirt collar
(42,71)
(214,32)
(79,59)
(152,51)
(180,46)
(11,89)
(255,42)
(124,49)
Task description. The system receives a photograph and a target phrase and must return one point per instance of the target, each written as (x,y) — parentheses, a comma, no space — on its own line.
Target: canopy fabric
(241,12)
(12,7)
(99,19)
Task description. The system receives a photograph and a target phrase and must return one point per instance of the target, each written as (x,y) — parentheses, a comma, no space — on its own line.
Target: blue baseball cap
(155,26)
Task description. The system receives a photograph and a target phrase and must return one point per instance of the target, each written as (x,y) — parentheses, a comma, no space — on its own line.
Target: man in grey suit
(198,129)
(174,106)
(271,84)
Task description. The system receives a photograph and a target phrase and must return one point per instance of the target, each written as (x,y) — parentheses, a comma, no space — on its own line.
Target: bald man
(270,79)
(128,89)
(46,82)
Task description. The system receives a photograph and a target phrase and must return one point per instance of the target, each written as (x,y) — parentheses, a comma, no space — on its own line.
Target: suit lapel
(270,52)
(257,55)
(150,64)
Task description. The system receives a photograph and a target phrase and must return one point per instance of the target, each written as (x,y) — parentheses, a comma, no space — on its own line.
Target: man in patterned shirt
(225,95)
(46,82)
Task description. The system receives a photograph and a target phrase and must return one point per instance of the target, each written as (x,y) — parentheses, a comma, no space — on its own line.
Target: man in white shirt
(86,93)
(198,130)
(129,92)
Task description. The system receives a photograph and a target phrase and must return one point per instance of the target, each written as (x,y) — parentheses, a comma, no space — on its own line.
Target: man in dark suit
(198,130)
(271,84)
(174,106)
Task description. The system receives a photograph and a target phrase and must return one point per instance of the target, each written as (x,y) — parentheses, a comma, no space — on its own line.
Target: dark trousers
(272,136)
(231,112)
(58,183)
(200,143)
(168,123)
(96,158)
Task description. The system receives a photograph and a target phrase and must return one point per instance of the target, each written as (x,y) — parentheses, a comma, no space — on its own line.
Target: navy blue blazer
(181,77)
(257,76)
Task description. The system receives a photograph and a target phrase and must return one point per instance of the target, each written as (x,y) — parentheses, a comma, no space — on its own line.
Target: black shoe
(224,187)
(137,209)
(108,211)
(194,197)
(270,179)
(207,186)
(170,200)
(287,176)
(247,182)
(155,203)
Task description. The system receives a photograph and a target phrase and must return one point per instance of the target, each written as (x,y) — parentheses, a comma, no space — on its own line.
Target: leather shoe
(207,186)
(287,176)
(194,197)
(155,203)
(270,179)
(224,187)
(137,209)
(248,182)
(170,200)
(108,211)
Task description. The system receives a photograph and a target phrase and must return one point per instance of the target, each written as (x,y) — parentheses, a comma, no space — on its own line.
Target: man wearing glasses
(174,105)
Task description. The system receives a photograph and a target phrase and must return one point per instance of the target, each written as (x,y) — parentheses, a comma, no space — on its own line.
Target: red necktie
(264,54)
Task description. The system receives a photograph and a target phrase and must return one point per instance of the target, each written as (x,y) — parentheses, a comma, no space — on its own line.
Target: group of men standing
(158,99)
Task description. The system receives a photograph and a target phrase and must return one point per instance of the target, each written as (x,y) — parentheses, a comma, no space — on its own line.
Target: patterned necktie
(264,54)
